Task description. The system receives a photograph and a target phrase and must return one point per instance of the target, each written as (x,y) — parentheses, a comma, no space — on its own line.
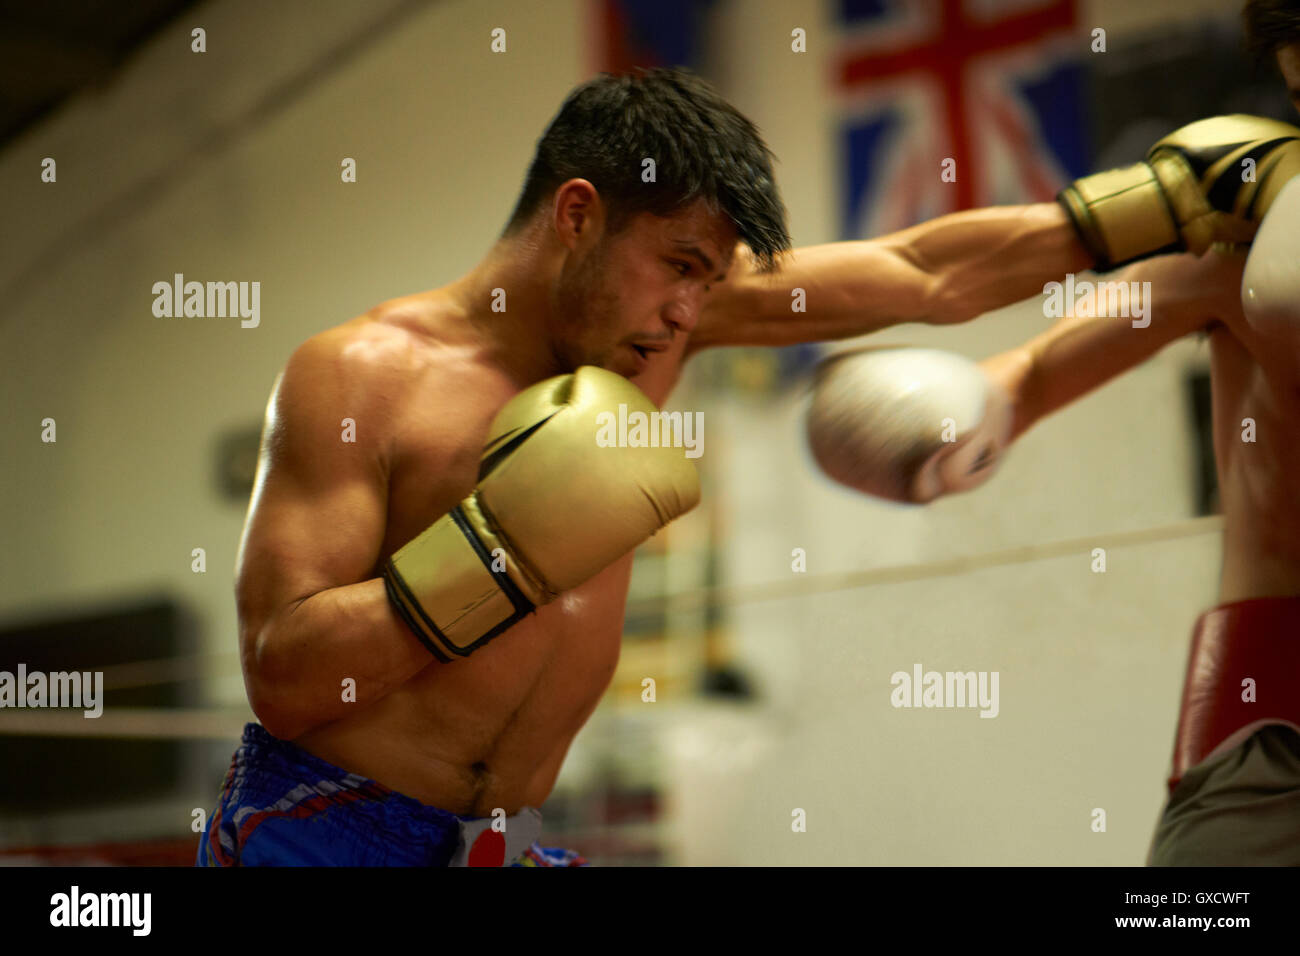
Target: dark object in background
(237,462)
(44,774)
(54,50)
(1148,86)
(1205,474)
(726,681)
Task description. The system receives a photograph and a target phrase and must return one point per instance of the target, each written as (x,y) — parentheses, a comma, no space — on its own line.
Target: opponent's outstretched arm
(913,424)
(1079,353)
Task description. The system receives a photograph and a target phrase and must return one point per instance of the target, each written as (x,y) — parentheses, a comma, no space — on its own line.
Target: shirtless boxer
(1234,794)
(358,561)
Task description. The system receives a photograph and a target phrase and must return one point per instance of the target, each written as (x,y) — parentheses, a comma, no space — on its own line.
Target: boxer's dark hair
(1270,25)
(702,146)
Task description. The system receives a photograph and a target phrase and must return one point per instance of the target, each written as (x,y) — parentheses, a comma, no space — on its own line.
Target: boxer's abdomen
(491,730)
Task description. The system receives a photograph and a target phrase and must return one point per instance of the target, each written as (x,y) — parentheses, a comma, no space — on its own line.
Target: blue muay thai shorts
(281,806)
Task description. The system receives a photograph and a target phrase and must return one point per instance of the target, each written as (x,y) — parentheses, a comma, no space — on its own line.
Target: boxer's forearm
(297,663)
(1082,352)
(944,271)
(985,259)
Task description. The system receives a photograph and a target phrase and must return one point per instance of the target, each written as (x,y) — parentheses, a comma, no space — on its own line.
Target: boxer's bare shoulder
(369,365)
(417,386)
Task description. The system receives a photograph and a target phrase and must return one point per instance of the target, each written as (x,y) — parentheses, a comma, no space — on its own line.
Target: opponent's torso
(490,730)
(1259,482)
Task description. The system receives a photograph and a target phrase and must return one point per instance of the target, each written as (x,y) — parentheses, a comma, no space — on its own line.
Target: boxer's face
(639,291)
(1288,61)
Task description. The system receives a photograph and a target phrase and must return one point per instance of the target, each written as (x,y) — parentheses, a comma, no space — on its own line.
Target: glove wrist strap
(444,585)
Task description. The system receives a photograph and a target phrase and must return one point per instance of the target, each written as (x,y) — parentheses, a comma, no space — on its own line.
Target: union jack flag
(646,33)
(997,86)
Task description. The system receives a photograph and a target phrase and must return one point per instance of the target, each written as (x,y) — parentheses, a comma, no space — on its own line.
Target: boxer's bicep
(318,510)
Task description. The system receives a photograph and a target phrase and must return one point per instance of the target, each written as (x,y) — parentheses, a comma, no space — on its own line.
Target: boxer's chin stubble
(576,348)
(578,307)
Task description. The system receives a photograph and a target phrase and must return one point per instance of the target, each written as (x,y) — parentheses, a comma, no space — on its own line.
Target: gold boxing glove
(551,509)
(1194,189)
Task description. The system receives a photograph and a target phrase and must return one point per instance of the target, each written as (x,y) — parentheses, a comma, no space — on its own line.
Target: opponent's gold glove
(1194,189)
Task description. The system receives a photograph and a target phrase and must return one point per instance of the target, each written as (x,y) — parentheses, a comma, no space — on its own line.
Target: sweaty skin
(1257,481)
(1257,376)
(423,376)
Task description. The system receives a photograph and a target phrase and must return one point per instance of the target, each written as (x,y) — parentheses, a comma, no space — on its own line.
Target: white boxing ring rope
(227,723)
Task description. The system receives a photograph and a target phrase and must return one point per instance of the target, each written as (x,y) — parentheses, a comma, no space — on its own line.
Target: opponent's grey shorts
(1238,808)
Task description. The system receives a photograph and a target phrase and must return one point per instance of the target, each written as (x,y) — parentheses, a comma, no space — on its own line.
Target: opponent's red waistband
(1243,673)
